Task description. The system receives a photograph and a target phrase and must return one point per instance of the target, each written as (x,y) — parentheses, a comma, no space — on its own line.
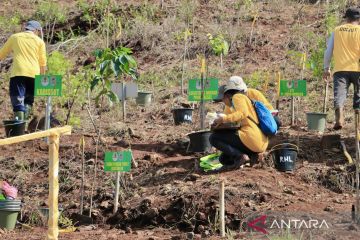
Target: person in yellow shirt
(29,59)
(238,146)
(344,46)
(255,95)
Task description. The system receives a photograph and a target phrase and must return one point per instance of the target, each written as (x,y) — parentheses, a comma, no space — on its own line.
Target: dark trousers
(229,143)
(342,81)
(21,92)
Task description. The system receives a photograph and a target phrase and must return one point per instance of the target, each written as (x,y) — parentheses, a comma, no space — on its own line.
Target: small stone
(152,157)
(104,204)
(91,161)
(177,182)
(207,233)
(201,217)
(338,200)
(190,235)
(328,209)
(87,228)
(201,228)
(128,230)
(263,198)
(289,191)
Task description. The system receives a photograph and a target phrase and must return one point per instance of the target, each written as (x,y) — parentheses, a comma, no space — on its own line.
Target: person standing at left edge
(29,59)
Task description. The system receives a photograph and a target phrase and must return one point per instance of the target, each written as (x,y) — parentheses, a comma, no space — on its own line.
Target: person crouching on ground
(238,146)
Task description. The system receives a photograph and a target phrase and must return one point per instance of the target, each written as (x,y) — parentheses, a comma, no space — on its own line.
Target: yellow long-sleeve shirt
(256,95)
(347,48)
(250,134)
(29,54)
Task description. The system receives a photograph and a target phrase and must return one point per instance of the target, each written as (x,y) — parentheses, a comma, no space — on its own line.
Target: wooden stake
(357,165)
(278,91)
(202,102)
(95,174)
(82,144)
(222,207)
(117,189)
(292,111)
(326,96)
(123,101)
(53,230)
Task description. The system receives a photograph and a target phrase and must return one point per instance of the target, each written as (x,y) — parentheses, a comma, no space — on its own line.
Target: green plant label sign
(47,85)
(118,161)
(211,86)
(293,88)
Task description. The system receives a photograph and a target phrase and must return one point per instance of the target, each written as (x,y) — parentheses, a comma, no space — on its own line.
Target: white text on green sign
(292,88)
(211,86)
(48,85)
(118,161)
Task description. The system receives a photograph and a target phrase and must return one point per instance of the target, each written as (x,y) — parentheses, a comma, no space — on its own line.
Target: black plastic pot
(14,127)
(284,156)
(199,141)
(182,115)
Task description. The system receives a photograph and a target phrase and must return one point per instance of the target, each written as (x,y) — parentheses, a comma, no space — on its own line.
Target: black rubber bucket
(182,115)
(199,141)
(14,127)
(284,156)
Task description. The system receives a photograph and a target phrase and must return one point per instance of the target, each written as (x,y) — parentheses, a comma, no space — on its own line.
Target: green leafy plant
(256,79)
(112,63)
(65,222)
(219,46)
(57,63)
(74,87)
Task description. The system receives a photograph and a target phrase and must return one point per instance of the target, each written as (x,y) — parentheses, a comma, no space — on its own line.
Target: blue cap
(33,25)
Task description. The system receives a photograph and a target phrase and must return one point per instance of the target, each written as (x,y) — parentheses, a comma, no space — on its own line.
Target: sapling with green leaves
(219,46)
(112,63)
(74,85)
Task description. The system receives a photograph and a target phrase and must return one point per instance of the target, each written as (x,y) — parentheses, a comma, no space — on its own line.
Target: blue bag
(267,122)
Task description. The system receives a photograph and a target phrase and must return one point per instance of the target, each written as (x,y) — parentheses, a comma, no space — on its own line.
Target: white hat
(239,82)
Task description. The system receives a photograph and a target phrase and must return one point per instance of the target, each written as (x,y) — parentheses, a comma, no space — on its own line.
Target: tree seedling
(219,46)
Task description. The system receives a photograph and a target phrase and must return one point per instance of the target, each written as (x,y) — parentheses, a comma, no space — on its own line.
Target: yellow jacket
(256,95)
(250,134)
(347,48)
(29,54)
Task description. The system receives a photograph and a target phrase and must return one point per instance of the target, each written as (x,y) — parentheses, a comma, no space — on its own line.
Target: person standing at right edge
(344,46)
(29,59)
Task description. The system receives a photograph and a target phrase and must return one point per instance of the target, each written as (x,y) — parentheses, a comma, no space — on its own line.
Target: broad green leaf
(94,82)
